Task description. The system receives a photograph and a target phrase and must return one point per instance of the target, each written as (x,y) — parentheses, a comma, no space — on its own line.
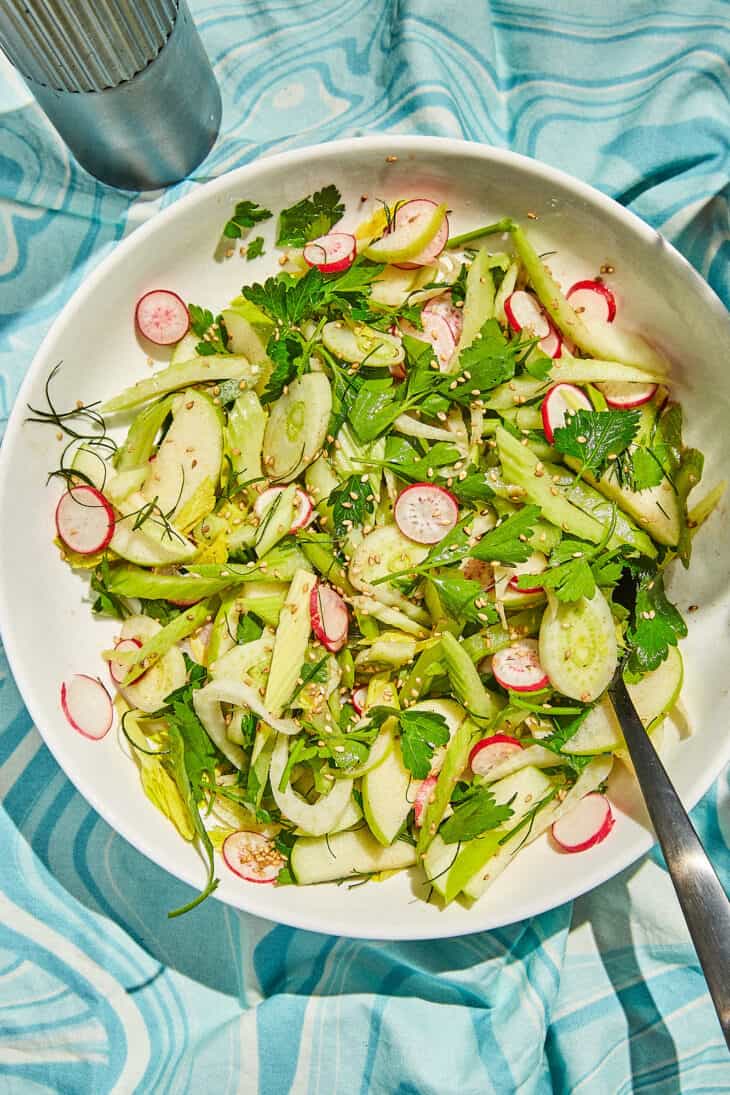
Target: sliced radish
(517,667)
(84,520)
(359,699)
(331,253)
(119,670)
(536,564)
(561,400)
(252,856)
(623,396)
(425,513)
(161,316)
(423,797)
(588,823)
(552,344)
(443,306)
(302,502)
(87,705)
(524,313)
(593,300)
(414,210)
(330,618)
(489,752)
(438,333)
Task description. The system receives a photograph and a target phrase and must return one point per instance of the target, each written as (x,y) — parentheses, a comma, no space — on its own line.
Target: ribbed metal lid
(84,45)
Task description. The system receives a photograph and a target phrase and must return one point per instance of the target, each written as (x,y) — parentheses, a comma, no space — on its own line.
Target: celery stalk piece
(519,466)
(127,580)
(276,520)
(290,645)
(482,705)
(478,302)
(316,548)
(245,436)
(455,761)
(594,774)
(140,441)
(523,791)
(602,341)
(263,599)
(581,494)
(188,458)
(521,625)
(203,370)
(189,620)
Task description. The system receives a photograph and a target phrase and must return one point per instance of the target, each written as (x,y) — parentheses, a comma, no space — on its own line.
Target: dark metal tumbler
(126,83)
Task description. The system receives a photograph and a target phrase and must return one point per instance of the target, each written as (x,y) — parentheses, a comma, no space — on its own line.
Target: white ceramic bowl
(47,627)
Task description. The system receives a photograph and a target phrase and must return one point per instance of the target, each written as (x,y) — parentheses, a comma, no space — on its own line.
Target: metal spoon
(704,903)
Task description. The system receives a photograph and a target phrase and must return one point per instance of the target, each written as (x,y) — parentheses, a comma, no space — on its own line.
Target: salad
(378,538)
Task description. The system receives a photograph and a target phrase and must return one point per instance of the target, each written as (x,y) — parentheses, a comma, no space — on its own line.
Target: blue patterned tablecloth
(99,992)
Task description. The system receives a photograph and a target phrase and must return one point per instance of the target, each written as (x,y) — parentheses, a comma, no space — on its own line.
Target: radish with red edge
(422,799)
(437,332)
(443,306)
(331,254)
(252,856)
(425,512)
(562,399)
(593,300)
(359,699)
(524,313)
(84,520)
(489,752)
(622,395)
(87,705)
(518,669)
(161,316)
(588,823)
(536,564)
(413,209)
(119,670)
(330,618)
(302,502)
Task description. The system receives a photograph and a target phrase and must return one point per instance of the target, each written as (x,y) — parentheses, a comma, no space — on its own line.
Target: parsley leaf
(475,812)
(572,577)
(657,624)
(375,407)
(473,488)
(248,630)
(245,215)
(490,360)
(158,610)
(463,599)
(352,503)
(212,332)
(509,541)
(420,733)
(255,248)
(309,218)
(592,436)
(539,367)
(402,459)
(285,352)
(289,300)
(106,603)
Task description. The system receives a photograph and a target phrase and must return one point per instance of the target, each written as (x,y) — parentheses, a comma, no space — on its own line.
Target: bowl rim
(384,144)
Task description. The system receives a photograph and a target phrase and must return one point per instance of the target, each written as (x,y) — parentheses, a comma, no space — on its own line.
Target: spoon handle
(704,903)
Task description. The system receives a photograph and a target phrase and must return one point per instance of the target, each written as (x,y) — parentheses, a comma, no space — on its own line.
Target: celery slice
(203,370)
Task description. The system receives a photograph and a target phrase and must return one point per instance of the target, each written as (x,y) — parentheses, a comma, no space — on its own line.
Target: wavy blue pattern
(98,992)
